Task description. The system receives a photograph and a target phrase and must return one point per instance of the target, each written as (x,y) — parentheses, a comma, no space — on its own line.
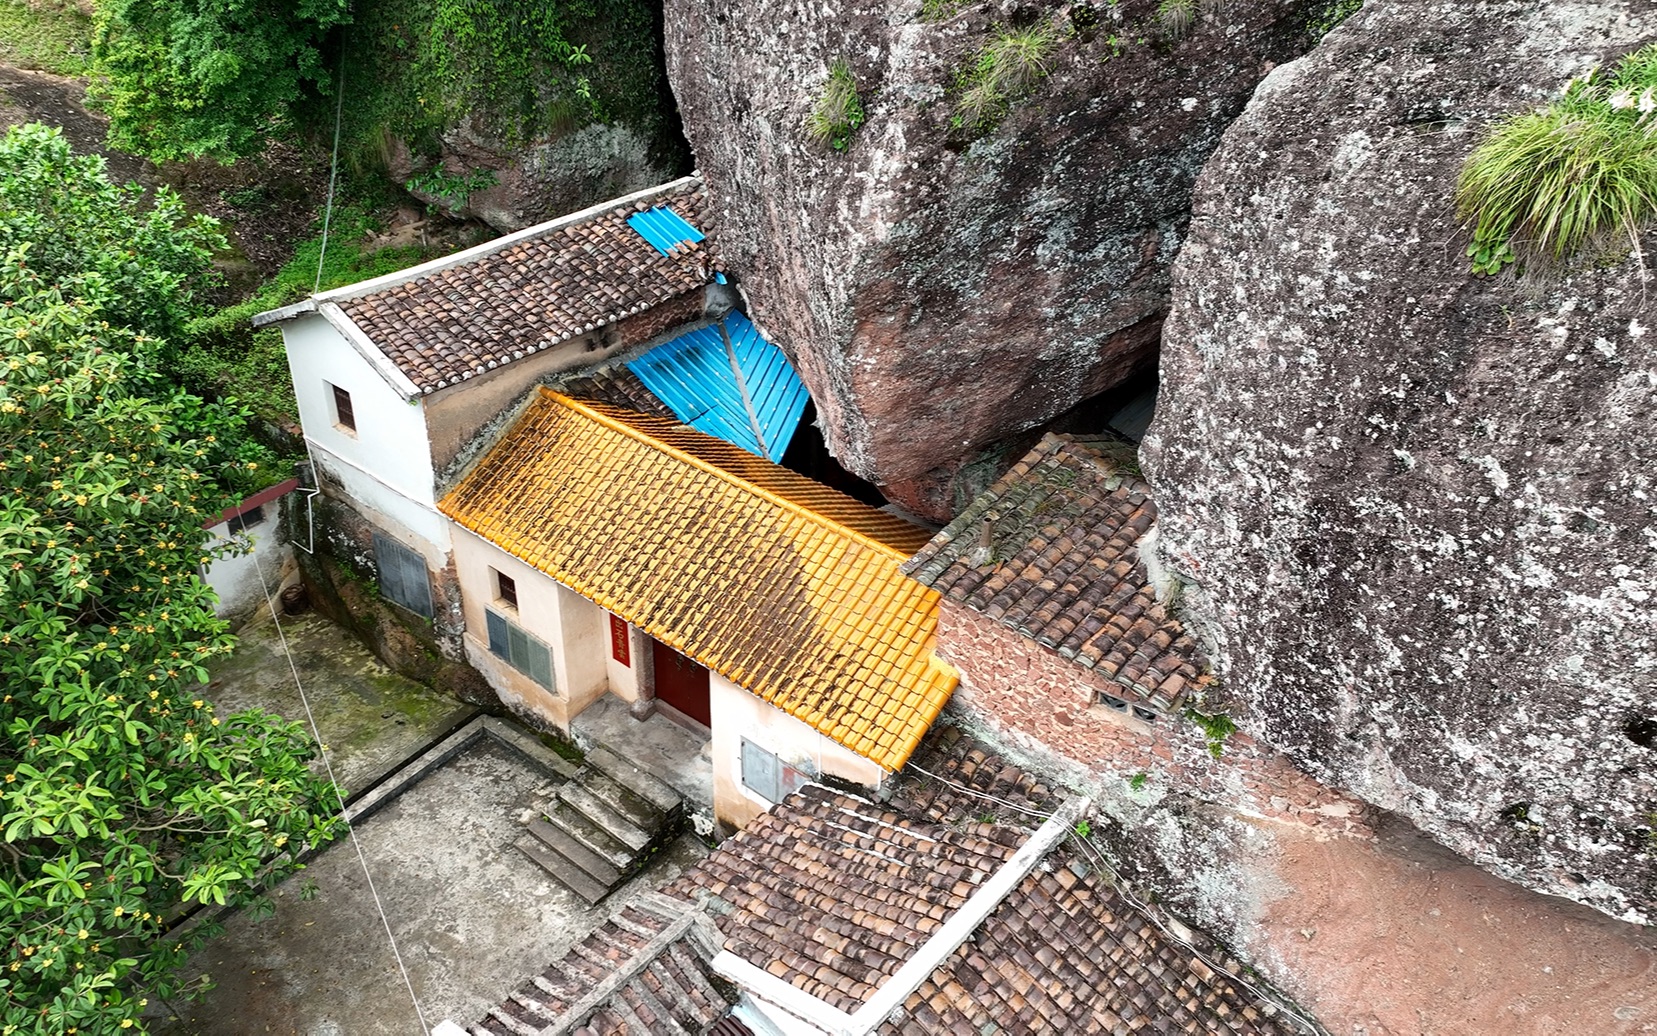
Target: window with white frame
(769,777)
(526,654)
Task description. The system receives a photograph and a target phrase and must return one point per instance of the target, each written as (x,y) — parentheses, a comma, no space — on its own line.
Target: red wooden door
(681,683)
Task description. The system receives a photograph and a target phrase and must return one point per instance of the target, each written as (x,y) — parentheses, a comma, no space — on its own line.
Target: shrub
(838,111)
(1579,175)
(1175,17)
(1007,67)
(1330,15)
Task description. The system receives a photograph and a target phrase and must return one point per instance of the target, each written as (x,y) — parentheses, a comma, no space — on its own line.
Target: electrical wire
(351,830)
(333,167)
(1121,886)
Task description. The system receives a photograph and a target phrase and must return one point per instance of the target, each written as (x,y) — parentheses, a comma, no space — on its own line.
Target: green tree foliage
(125,796)
(153,258)
(143,261)
(183,78)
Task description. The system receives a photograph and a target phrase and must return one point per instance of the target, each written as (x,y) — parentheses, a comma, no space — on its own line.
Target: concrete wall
(737,714)
(382,470)
(241,580)
(572,627)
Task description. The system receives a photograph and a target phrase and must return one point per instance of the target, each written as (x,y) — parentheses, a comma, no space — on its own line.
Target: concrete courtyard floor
(471,916)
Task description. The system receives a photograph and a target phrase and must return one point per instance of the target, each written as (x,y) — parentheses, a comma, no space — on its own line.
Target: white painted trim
(768,987)
(447,1028)
(391,280)
(926,959)
(383,365)
(277,316)
(960,926)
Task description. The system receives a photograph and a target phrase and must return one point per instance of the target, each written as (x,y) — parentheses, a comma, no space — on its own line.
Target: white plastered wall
(737,714)
(571,626)
(240,580)
(385,465)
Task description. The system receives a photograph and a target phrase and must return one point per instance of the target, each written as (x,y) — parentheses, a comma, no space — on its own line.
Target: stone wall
(339,576)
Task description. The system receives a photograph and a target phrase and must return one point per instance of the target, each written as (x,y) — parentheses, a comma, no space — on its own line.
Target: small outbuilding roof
(1062,567)
(450,320)
(782,585)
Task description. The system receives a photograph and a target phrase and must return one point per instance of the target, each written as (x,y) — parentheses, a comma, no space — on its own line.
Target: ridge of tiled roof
(783,586)
(1063,568)
(832,893)
(449,321)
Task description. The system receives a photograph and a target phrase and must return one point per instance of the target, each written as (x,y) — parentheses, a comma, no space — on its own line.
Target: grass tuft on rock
(1175,17)
(838,111)
(1006,68)
(1578,177)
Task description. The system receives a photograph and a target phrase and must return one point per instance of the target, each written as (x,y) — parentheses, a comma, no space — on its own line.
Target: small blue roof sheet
(694,376)
(663,228)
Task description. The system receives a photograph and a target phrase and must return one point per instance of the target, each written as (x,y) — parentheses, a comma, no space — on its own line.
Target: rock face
(544,178)
(942,289)
(1418,508)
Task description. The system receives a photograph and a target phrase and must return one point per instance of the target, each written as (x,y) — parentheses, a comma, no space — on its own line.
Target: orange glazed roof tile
(783,586)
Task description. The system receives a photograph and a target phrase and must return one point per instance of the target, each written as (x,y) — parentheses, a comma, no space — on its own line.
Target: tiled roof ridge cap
(361,289)
(719,472)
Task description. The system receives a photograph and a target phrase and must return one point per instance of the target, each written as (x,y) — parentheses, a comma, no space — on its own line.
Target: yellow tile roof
(783,586)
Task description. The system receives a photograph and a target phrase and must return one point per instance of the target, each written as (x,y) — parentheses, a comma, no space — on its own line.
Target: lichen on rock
(1416,505)
(943,287)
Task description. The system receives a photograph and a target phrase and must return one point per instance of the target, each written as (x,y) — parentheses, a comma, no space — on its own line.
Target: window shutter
(403,578)
(497,635)
(540,664)
(759,771)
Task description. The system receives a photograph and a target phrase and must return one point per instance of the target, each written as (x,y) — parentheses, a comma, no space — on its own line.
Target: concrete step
(565,845)
(626,819)
(594,838)
(636,779)
(573,877)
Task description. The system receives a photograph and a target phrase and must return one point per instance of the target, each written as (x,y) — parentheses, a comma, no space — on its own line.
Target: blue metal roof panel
(693,375)
(663,228)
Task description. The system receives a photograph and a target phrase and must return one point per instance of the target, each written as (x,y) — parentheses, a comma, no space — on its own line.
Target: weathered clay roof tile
(1062,567)
(464,319)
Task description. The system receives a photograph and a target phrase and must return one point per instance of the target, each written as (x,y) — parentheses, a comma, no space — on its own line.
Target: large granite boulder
(1417,508)
(941,289)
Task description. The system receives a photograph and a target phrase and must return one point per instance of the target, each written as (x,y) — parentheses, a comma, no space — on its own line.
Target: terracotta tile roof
(784,586)
(615,386)
(950,775)
(643,972)
(460,321)
(1063,568)
(832,894)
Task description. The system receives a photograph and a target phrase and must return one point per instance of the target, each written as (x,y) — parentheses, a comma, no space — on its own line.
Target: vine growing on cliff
(1577,176)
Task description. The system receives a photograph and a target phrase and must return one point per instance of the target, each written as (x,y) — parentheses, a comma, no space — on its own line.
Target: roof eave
(285,313)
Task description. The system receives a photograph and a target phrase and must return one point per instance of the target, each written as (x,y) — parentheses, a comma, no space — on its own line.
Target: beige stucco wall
(737,714)
(571,626)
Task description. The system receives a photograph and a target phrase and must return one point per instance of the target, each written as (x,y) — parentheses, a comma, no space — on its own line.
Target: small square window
(344,415)
(248,518)
(1145,715)
(1111,701)
(506,590)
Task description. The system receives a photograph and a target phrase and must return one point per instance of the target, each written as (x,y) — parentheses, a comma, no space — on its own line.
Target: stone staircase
(605,821)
